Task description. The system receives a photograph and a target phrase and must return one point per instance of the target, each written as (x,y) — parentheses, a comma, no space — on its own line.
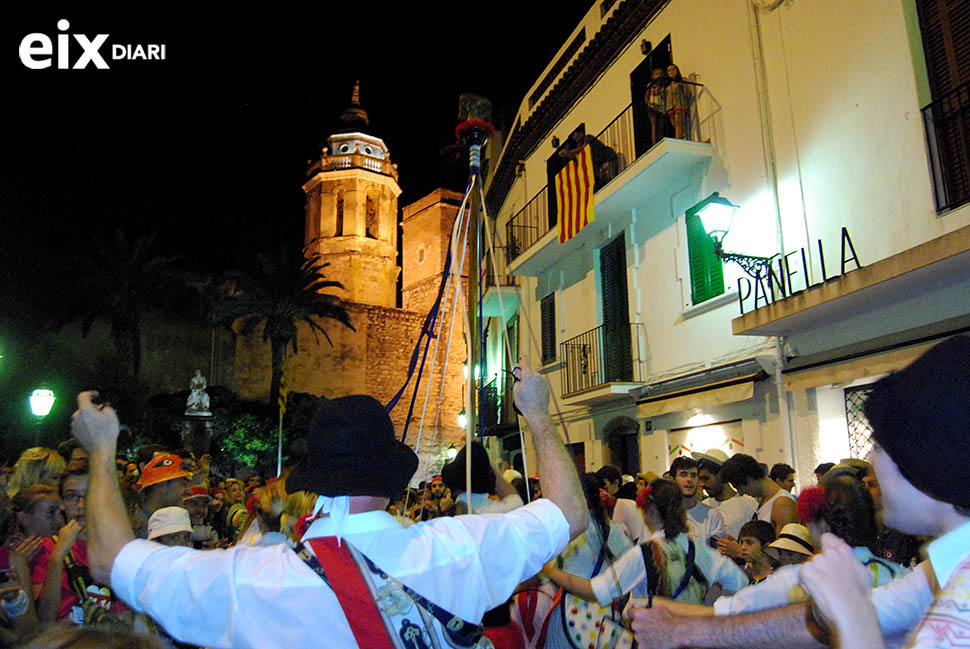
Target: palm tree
(281,291)
(119,281)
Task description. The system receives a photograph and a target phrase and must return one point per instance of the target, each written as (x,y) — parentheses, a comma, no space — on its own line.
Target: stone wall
(373,360)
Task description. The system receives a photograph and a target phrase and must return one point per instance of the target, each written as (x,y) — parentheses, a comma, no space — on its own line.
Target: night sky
(209,147)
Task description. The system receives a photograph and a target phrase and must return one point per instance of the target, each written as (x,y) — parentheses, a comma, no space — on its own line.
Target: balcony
(496,410)
(947,123)
(501,289)
(531,234)
(602,364)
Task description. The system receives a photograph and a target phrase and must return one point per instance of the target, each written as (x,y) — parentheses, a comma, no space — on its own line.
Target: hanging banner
(574,194)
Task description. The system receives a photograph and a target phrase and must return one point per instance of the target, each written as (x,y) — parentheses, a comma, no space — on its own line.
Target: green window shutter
(706,270)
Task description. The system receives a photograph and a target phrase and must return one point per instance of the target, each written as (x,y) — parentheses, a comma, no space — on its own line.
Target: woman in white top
(659,565)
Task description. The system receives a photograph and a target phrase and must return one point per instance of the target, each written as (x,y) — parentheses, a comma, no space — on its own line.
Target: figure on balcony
(679,95)
(604,158)
(656,100)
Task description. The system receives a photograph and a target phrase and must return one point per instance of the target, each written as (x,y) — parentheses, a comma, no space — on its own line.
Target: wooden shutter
(548,315)
(706,270)
(945,27)
(616,312)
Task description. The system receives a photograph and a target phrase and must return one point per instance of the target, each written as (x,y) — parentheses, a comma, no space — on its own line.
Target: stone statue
(197,405)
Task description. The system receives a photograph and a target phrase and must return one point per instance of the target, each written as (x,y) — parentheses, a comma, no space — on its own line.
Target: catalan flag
(574,194)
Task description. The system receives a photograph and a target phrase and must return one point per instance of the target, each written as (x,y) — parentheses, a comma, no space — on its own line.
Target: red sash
(352,592)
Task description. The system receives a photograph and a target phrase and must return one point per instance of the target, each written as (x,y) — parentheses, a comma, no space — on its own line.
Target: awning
(870,358)
(712,387)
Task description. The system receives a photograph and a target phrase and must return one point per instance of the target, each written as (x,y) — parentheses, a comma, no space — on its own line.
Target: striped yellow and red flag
(574,194)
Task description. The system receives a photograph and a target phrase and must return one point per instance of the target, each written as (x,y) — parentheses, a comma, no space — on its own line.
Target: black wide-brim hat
(920,416)
(352,451)
(483,477)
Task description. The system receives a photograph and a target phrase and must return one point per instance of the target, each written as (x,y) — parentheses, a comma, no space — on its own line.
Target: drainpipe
(771,169)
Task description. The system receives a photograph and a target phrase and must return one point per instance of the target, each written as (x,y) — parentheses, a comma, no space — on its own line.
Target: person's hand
(529,390)
(96,427)
(65,540)
(204,463)
(729,546)
(29,547)
(838,583)
(653,627)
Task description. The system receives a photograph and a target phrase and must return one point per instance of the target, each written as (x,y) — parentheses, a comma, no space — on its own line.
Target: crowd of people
(337,551)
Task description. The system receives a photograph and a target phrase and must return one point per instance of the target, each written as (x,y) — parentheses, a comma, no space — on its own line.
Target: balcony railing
(525,228)
(621,135)
(495,407)
(947,123)
(607,354)
(497,273)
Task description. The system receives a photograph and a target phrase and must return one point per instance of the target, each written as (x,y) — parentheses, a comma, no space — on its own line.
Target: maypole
(473,131)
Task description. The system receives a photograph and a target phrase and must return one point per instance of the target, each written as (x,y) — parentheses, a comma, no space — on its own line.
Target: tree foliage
(119,281)
(280,291)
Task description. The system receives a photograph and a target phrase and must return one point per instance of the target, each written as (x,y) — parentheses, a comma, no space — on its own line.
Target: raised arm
(573,583)
(96,427)
(560,480)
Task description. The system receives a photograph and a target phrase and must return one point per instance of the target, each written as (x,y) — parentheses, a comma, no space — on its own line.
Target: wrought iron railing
(488,400)
(535,219)
(525,228)
(495,401)
(947,123)
(497,273)
(607,354)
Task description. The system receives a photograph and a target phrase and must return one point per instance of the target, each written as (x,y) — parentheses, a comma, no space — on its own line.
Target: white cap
(169,520)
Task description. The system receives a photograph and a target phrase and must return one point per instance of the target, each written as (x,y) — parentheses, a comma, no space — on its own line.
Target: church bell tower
(351,211)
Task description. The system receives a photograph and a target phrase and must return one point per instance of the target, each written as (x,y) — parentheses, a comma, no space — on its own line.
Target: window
(548,313)
(339,227)
(371,216)
(860,431)
(706,270)
(945,29)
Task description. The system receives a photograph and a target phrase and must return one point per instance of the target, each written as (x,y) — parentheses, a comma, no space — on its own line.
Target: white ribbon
(338,508)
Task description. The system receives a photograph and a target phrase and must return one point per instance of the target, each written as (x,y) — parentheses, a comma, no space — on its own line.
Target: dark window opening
(649,129)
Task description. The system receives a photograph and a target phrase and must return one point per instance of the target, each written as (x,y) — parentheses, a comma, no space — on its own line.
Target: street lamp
(716,214)
(41,401)
(462,420)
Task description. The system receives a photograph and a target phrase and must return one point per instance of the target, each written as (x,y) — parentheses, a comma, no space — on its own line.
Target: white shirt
(737,511)
(782,587)
(482,504)
(267,597)
(764,512)
(628,516)
(703,522)
(948,552)
(630,574)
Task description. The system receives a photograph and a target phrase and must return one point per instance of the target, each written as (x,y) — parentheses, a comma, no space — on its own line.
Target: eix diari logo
(37,50)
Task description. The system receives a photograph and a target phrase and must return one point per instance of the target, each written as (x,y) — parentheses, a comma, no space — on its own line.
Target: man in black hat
(363,580)
(920,418)
(484,483)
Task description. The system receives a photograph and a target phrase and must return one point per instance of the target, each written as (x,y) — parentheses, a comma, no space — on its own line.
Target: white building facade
(820,121)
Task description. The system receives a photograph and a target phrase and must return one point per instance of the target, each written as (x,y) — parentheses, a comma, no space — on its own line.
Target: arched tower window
(339,229)
(371,222)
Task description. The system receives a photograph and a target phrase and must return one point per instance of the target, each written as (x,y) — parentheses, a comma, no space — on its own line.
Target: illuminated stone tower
(351,211)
